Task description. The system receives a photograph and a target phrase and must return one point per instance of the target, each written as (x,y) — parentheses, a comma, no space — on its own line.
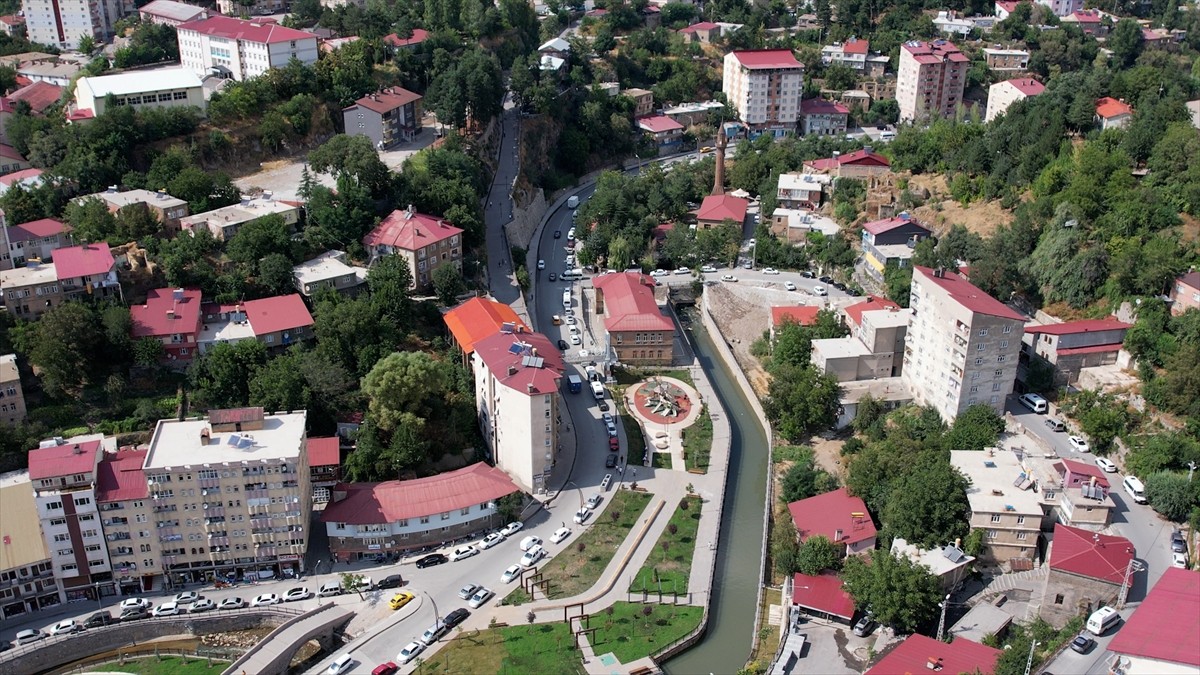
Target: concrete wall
(525,220)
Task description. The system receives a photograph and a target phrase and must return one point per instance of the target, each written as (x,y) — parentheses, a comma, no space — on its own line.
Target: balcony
(117,536)
(115,521)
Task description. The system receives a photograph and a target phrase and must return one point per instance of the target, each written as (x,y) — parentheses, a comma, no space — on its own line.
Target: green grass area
(697,443)
(519,596)
(630,633)
(627,376)
(791,453)
(768,633)
(574,571)
(512,650)
(635,440)
(670,564)
(167,665)
(661,460)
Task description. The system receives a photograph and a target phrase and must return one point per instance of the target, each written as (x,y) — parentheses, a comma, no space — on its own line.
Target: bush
(1172,495)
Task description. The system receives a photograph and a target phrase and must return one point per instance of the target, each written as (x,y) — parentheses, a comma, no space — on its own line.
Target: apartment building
(802,190)
(230,494)
(930,80)
(278,322)
(1062,8)
(890,241)
(1003,504)
(63,23)
(875,347)
(426,242)
(1185,292)
(328,270)
(643,101)
(516,380)
(126,514)
(27,581)
(1001,60)
(141,89)
(167,209)
(241,49)
(12,395)
(388,117)
(637,331)
(823,118)
(225,222)
(324,466)
(63,475)
(171,316)
(852,53)
(33,290)
(171,13)
(35,240)
(1002,95)
(480,318)
(666,132)
(963,345)
(1071,346)
(765,87)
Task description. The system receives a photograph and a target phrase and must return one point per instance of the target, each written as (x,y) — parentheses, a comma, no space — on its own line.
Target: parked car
(340,665)
(510,574)
(1082,644)
(481,596)
(789,285)
(603,406)
(865,625)
(1179,560)
(434,632)
(1106,465)
(134,614)
(1178,543)
(560,535)
(99,619)
(391,581)
(708,269)
(582,515)
(265,600)
(170,608)
(728,277)
(512,528)
(232,603)
(135,603)
(658,273)
(491,540)
(467,591)
(825,279)
(1078,444)
(187,597)
(808,275)
(532,556)
(594,501)
(387,668)
(410,652)
(202,605)
(456,617)
(65,627)
(29,635)
(530,541)
(770,270)
(297,594)
(431,560)
(611,461)
(820,290)
(463,552)
(1055,425)
(400,599)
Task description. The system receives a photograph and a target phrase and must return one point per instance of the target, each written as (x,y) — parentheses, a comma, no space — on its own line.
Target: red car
(614,443)
(388,668)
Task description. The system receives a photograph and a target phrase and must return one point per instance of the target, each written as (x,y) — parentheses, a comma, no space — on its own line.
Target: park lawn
(167,665)
(668,568)
(697,443)
(630,635)
(572,572)
(635,440)
(515,650)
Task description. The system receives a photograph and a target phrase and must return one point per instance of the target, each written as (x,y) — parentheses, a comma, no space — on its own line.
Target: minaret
(719,177)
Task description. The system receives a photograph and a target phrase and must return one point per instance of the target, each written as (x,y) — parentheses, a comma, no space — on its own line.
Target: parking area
(832,649)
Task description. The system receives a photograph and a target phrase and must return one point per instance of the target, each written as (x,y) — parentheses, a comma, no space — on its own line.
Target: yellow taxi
(400,599)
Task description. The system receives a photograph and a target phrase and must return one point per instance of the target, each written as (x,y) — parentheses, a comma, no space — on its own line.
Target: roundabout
(664,407)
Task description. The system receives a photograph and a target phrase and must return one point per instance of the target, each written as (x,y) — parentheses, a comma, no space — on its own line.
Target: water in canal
(726,646)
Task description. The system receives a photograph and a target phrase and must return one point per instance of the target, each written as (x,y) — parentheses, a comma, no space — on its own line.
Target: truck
(573,201)
(598,390)
(574,384)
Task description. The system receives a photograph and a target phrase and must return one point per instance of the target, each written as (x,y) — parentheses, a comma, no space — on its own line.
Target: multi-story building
(324,466)
(253,7)
(63,473)
(930,80)
(1090,21)
(865,163)
(126,514)
(1005,59)
(666,132)
(963,345)
(765,87)
(643,101)
(241,49)
(852,53)
(948,22)
(230,494)
(27,580)
(32,290)
(1112,113)
(1002,95)
(169,210)
(63,23)
(516,380)
(890,241)
(171,13)
(36,240)
(388,117)
(801,190)
(823,118)
(1002,505)
(278,322)
(1163,635)
(839,517)
(1185,293)
(1087,570)
(328,270)
(875,347)
(480,318)
(364,520)
(1069,347)
(1062,8)
(637,331)
(225,222)
(426,242)
(171,316)
(12,395)
(141,89)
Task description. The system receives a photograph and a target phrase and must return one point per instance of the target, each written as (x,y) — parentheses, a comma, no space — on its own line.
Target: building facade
(34,289)
(1067,348)
(167,209)
(324,466)
(890,241)
(388,117)
(801,190)
(852,53)
(27,580)
(63,23)
(1185,293)
(12,395)
(1087,571)
(1002,95)
(1062,8)
(930,80)
(1005,59)
(242,49)
(36,240)
(142,89)
(225,222)
(963,345)
(1003,503)
(637,331)
(426,242)
(819,117)
(865,164)
(643,101)
(328,270)
(126,512)
(765,87)
(171,13)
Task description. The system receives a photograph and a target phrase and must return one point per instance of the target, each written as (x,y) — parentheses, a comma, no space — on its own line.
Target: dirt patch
(742,318)
(941,212)
(828,455)
(1189,228)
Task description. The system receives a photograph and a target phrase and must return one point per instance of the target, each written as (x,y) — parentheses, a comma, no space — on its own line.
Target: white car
(187,597)
(789,285)
(340,665)
(707,269)
(510,574)
(463,552)
(770,270)
(606,417)
(410,652)
(467,591)
(481,596)
(570,320)
(573,329)
(1106,465)
(682,270)
(297,594)
(820,290)
(582,515)
(512,528)
(202,605)
(135,603)
(166,609)
(1179,560)
(532,556)
(232,603)
(530,541)
(560,534)
(658,273)
(265,600)
(728,277)
(575,339)
(541,264)
(65,627)
(594,501)
(1078,444)
(491,540)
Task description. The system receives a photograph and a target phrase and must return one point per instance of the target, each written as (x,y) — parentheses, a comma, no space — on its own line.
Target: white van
(567,299)
(1102,619)
(572,202)
(1134,488)
(572,275)
(330,588)
(1034,402)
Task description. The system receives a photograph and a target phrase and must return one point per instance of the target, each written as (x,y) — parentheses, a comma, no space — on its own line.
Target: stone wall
(525,220)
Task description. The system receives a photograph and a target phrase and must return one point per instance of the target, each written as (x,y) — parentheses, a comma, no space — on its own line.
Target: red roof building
(872,303)
(387,117)
(426,242)
(837,516)
(1075,474)
(67,459)
(39,95)
(1071,346)
(36,229)
(967,295)
(918,654)
(27,177)
(479,318)
(805,316)
(1163,634)
(324,465)
(171,316)
(716,209)
(119,476)
(815,106)
(658,124)
(262,32)
(857,164)
(1003,8)
(418,36)
(1090,554)
(528,363)
(1111,113)
(324,451)
(823,596)
(387,100)
(819,117)
(767,59)
(282,314)
(636,327)
(83,262)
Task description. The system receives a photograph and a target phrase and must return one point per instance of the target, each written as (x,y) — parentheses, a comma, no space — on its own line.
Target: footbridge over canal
(272,655)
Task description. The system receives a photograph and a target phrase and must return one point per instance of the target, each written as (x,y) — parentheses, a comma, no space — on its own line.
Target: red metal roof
(506,356)
(410,231)
(1083,470)
(967,295)
(1166,626)
(324,451)
(658,123)
(805,316)
(1009,6)
(39,95)
(74,262)
(119,476)
(919,654)
(828,513)
(1078,327)
(629,303)
(756,59)
(873,302)
(36,229)
(856,158)
(479,318)
(1090,554)
(163,315)
(418,36)
(250,31)
(1191,279)
(1027,86)
(9,152)
(1086,16)
(391,501)
(703,25)
(67,459)
(282,312)
(1108,107)
(12,20)
(719,208)
(934,52)
(855,46)
(387,100)
(11,179)
(819,106)
(823,593)
(889,224)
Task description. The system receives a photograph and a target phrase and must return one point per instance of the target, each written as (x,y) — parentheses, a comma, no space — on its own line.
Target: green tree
(928,504)
(1172,495)
(90,220)
(352,334)
(900,592)
(803,480)
(818,554)
(390,282)
(62,346)
(975,428)
(801,400)
(352,157)
(275,274)
(785,546)
(259,238)
(223,375)
(280,386)
(1125,41)
(404,382)
(448,284)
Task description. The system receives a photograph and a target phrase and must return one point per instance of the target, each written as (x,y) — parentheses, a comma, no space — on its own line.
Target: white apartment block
(1062,7)
(930,80)
(230,494)
(1002,95)
(241,49)
(62,23)
(962,346)
(765,87)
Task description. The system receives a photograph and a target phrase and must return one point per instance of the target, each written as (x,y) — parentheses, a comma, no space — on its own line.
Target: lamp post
(942,622)
(579,490)
(1029,662)
(99,602)
(436,616)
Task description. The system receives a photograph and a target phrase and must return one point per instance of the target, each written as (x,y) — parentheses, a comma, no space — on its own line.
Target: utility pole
(1123,594)
(1029,662)
(942,621)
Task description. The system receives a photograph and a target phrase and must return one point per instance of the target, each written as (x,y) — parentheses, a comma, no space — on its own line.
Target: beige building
(126,513)
(12,397)
(33,290)
(27,581)
(328,270)
(873,350)
(426,242)
(230,493)
(643,101)
(169,210)
(930,80)
(141,89)
(1003,504)
(1002,95)
(1006,59)
(963,345)
(765,86)
(225,222)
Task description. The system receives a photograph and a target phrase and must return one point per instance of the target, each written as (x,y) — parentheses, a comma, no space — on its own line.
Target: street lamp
(436,619)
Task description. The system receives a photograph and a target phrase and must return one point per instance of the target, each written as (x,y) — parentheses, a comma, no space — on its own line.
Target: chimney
(719,174)
(408,213)
(836,154)
(958,543)
(837,535)
(512,370)
(205,435)
(529,387)
(171,313)
(76,450)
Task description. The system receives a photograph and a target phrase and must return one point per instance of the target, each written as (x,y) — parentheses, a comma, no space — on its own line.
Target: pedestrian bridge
(273,655)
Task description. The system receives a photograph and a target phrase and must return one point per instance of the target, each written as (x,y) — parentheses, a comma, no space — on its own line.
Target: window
(979,360)
(980,347)
(445,515)
(339,526)
(1004,344)
(1022,535)
(998,373)
(983,332)
(465,511)
(1058,598)
(992,534)
(58,521)
(424,520)
(1008,329)
(53,506)
(995,517)
(1020,520)
(1002,358)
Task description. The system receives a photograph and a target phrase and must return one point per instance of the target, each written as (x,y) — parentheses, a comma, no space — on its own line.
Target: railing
(208,653)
